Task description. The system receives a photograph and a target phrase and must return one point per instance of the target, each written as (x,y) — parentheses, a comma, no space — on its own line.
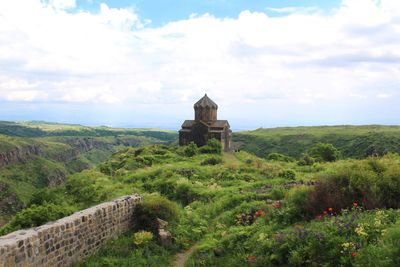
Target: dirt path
(231,159)
(181,258)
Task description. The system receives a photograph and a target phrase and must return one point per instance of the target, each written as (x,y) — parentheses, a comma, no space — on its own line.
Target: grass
(64,149)
(352,141)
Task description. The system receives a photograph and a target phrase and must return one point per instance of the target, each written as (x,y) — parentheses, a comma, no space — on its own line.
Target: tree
(323,152)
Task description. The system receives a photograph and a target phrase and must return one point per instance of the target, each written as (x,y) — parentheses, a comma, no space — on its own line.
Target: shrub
(190,150)
(142,238)
(45,195)
(279,157)
(371,183)
(83,188)
(186,194)
(287,174)
(153,207)
(306,160)
(294,206)
(211,161)
(213,147)
(35,216)
(324,152)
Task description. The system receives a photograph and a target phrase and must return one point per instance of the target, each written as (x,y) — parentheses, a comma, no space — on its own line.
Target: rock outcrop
(19,155)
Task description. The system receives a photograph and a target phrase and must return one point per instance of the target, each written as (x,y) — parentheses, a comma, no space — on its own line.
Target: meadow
(238,209)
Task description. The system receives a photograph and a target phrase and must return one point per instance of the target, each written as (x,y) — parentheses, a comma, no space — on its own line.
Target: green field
(312,204)
(352,141)
(238,209)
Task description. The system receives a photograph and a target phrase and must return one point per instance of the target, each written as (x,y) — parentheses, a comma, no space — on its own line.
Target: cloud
(294,9)
(62,4)
(56,52)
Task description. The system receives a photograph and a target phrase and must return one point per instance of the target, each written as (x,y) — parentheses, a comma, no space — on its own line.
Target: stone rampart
(64,241)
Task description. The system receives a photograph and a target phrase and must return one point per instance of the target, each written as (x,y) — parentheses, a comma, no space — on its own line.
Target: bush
(306,160)
(371,183)
(324,152)
(142,238)
(190,150)
(294,206)
(186,194)
(45,195)
(287,174)
(35,216)
(211,161)
(279,157)
(83,188)
(153,207)
(213,147)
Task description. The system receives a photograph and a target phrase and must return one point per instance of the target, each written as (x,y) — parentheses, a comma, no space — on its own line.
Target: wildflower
(262,237)
(325,212)
(355,204)
(354,254)
(330,209)
(259,213)
(251,258)
(277,205)
(360,230)
(142,238)
(348,246)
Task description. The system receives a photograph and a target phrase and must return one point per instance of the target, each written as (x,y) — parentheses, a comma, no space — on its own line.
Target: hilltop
(352,141)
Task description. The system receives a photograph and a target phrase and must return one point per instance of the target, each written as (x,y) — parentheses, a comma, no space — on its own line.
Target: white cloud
(62,4)
(115,57)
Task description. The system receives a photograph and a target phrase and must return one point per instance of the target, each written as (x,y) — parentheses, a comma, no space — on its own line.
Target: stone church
(205,126)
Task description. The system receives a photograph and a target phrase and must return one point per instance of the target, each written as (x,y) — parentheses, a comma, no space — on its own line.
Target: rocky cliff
(19,155)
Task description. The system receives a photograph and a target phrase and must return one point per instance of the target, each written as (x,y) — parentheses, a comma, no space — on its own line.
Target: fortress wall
(64,241)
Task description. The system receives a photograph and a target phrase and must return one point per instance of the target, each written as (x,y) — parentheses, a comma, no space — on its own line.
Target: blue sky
(164,11)
(144,63)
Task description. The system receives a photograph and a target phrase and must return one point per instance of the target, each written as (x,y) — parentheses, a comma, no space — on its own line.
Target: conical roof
(204,102)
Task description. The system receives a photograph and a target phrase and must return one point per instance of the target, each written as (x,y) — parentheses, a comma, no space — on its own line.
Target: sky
(144,63)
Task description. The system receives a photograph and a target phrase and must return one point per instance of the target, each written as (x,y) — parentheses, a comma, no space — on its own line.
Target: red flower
(325,212)
(355,204)
(251,258)
(259,213)
(330,209)
(354,254)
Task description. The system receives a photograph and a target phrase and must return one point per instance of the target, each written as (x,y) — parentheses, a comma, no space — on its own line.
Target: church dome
(205,102)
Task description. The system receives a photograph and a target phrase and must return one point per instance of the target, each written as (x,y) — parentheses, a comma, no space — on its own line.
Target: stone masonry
(69,239)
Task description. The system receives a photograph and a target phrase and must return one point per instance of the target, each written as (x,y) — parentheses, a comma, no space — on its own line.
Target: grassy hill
(238,209)
(35,155)
(352,141)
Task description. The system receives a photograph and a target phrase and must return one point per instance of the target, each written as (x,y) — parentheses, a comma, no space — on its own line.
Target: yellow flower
(348,246)
(360,230)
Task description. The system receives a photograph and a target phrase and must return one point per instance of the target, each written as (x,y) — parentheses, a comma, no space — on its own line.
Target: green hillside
(35,155)
(236,209)
(352,141)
